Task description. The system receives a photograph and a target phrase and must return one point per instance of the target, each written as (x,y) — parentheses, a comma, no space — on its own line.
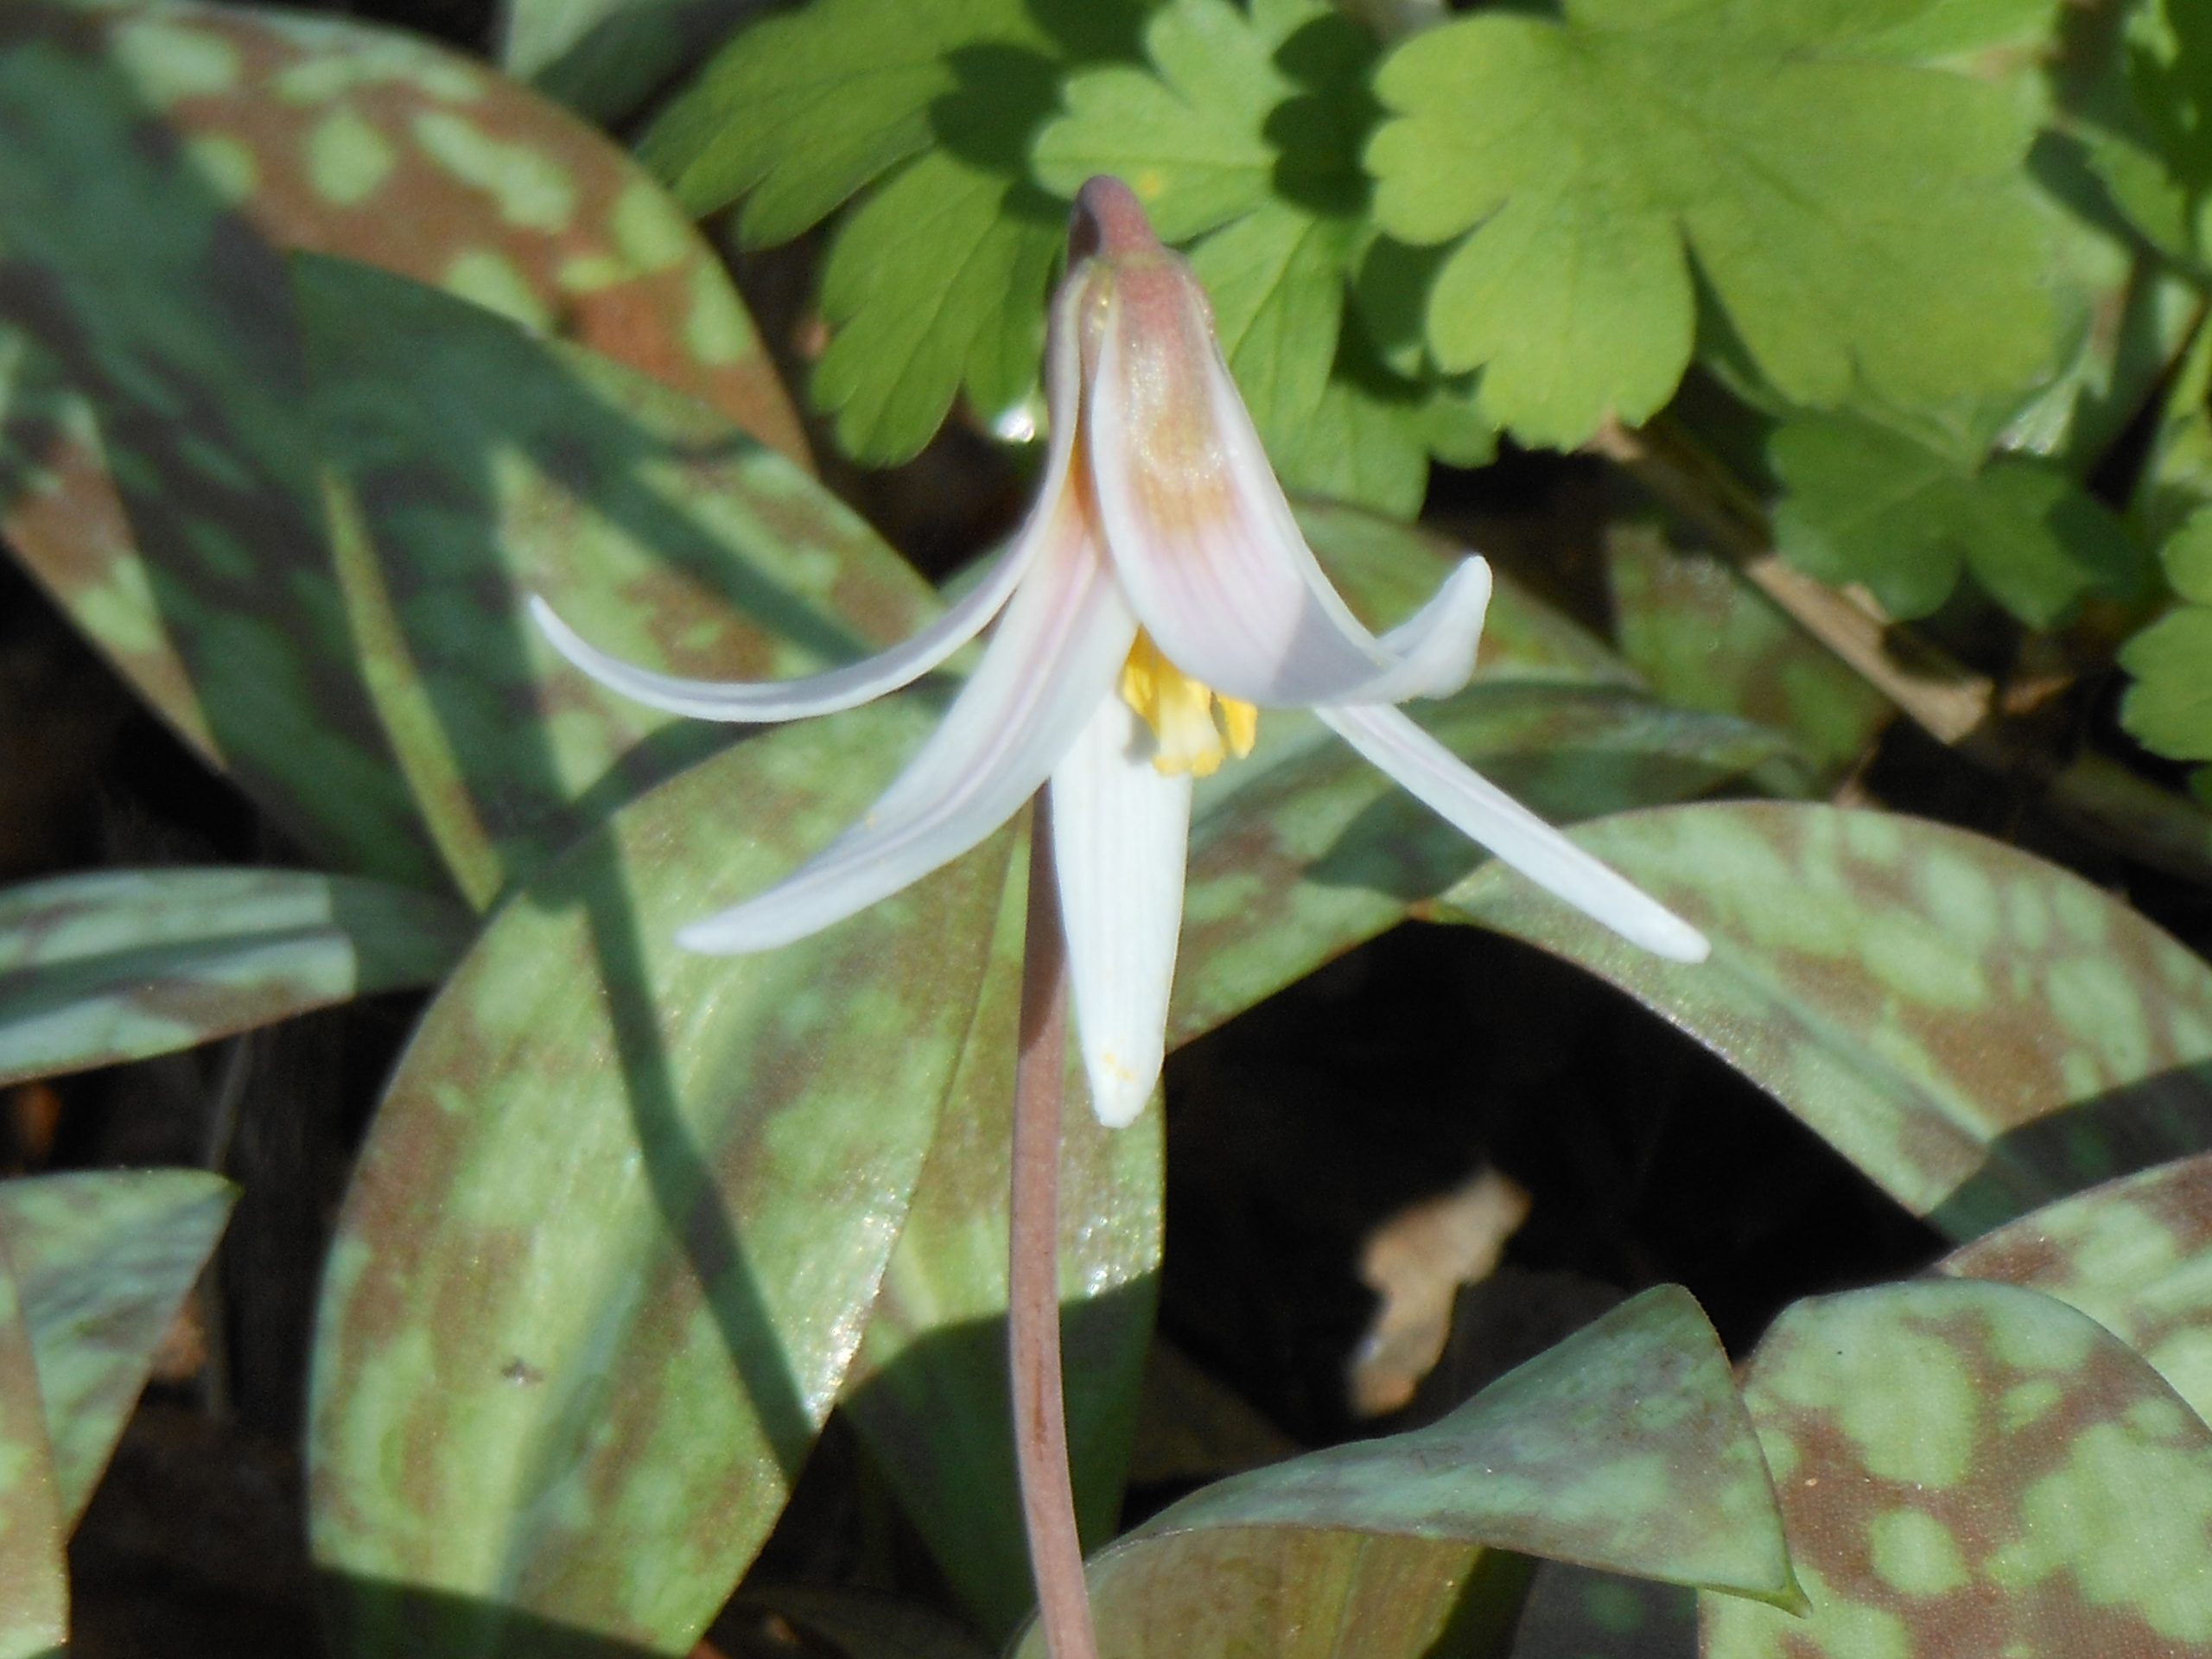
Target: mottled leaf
(929,1388)
(1971,1469)
(154,467)
(1705,638)
(1304,850)
(621,1216)
(477,464)
(1980,1031)
(1861,219)
(102,1260)
(1624,1446)
(2135,1255)
(117,966)
(34,1577)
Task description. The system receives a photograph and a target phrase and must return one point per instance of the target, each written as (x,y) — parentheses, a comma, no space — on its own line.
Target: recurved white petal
(1120,838)
(1203,539)
(1431,774)
(848,687)
(1056,652)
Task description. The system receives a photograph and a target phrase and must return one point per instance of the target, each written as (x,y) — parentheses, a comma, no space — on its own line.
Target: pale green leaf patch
(1865,504)
(1862,221)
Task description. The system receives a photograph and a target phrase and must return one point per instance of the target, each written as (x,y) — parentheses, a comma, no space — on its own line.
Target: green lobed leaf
(937,280)
(34,1575)
(1974,1468)
(474,464)
(1244,128)
(102,1260)
(1979,1031)
(928,1389)
(2135,1255)
(1705,638)
(621,1216)
(125,964)
(1624,1446)
(1861,219)
(608,59)
(1865,504)
(153,468)
(2146,129)
(2169,707)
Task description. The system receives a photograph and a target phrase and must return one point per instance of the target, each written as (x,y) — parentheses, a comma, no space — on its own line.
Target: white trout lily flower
(1157,598)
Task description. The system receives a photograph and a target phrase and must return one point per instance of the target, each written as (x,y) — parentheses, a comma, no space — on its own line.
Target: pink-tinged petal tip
(1109,221)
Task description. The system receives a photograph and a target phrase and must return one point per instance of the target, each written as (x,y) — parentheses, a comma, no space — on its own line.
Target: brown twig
(1954,705)
(1040,1427)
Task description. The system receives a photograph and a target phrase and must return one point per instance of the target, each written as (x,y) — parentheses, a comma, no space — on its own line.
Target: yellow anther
(1188,735)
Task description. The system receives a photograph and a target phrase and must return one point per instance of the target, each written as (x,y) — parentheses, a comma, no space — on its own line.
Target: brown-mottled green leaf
(621,1216)
(929,1390)
(155,469)
(1304,850)
(34,1578)
(102,1259)
(476,464)
(1705,638)
(1624,1446)
(1974,1470)
(1980,1031)
(2135,1255)
(122,964)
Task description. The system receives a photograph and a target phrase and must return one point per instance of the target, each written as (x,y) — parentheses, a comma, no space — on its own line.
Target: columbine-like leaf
(1980,1031)
(1865,504)
(155,469)
(1862,219)
(616,1231)
(101,1262)
(1975,1468)
(604,59)
(34,1577)
(937,280)
(2170,706)
(2135,1255)
(929,1388)
(97,969)
(1623,1447)
(2147,132)
(1244,127)
(1705,638)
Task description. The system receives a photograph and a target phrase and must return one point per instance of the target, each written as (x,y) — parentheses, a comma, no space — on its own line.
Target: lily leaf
(2135,1255)
(34,1576)
(101,1260)
(621,1216)
(1979,1031)
(155,470)
(1624,1446)
(928,1390)
(125,964)
(473,464)
(1975,1468)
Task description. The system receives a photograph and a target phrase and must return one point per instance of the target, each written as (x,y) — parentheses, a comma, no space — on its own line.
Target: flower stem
(1040,1427)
